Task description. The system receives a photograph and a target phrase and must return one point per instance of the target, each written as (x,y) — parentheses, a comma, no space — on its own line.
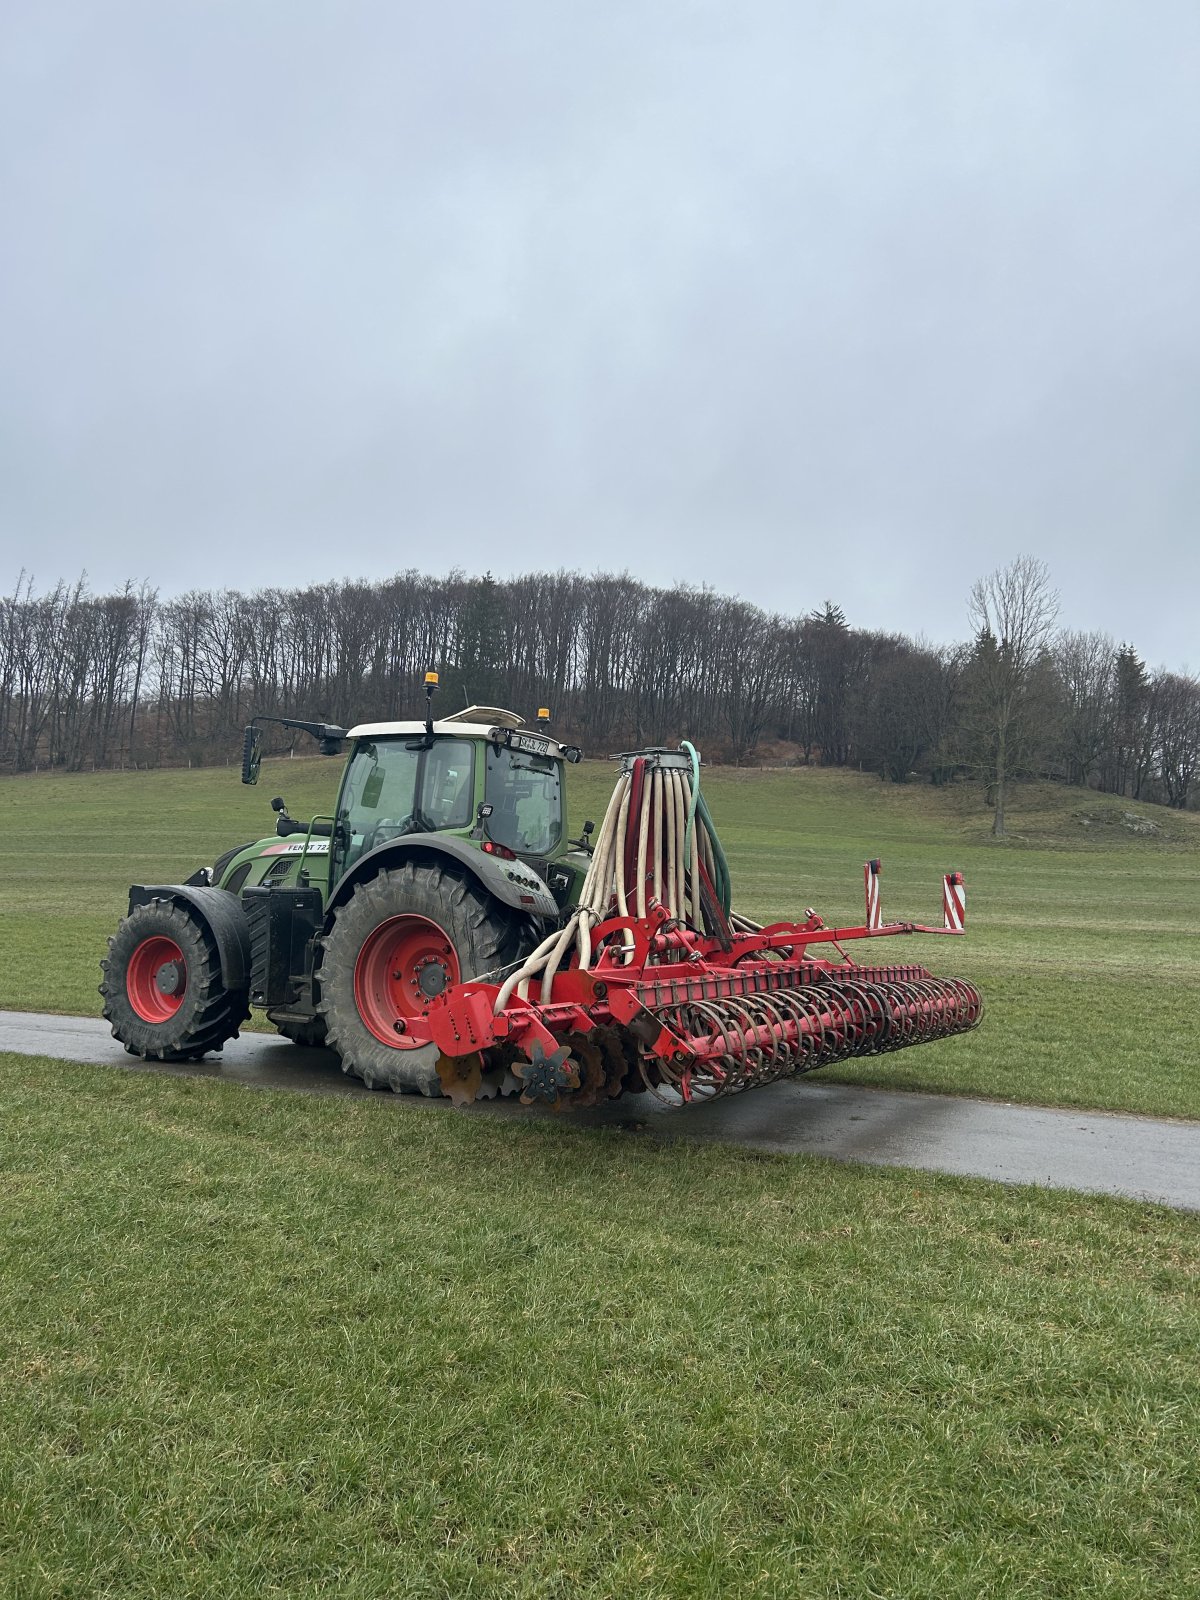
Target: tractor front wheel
(162,988)
(405,936)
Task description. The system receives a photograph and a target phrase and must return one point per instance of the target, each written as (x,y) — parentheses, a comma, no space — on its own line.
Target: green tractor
(446,857)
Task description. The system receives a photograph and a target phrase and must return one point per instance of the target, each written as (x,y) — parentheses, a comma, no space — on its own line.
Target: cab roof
(461,730)
(414,730)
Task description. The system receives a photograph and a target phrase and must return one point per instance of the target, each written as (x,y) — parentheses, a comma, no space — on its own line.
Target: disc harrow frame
(687,1015)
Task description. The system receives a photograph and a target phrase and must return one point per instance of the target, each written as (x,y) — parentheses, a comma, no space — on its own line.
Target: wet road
(1137,1157)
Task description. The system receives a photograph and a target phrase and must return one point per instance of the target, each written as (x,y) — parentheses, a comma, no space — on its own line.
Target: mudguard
(514,883)
(220,912)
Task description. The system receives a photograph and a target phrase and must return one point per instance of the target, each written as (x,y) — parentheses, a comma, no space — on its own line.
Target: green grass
(266,1345)
(1084,939)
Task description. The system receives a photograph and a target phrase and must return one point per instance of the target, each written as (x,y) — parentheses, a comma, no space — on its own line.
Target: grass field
(1083,938)
(274,1345)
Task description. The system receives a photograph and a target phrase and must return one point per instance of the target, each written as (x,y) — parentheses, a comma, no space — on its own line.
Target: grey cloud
(792,298)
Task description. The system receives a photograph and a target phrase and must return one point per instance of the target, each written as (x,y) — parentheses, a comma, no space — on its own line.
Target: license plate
(535,747)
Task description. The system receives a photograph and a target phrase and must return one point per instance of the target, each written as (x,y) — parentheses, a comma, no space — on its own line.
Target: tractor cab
(478,785)
(488,782)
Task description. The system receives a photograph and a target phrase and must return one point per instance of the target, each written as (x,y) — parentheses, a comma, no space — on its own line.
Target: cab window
(394,787)
(525,794)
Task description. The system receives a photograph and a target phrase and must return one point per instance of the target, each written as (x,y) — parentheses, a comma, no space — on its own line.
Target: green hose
(698,807)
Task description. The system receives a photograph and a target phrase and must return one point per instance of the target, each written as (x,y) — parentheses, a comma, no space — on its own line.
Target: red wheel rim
(156,979)
(402,965)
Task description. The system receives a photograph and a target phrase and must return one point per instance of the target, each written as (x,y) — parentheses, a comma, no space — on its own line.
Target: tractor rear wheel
(403,937)
(163,992)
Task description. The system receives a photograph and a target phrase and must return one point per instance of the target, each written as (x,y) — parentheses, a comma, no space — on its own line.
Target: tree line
(132,678)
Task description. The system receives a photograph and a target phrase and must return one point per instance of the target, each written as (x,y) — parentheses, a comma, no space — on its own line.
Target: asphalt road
(1137,1157)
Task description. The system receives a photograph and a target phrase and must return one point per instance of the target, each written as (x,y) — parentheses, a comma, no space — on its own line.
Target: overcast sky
(802,298)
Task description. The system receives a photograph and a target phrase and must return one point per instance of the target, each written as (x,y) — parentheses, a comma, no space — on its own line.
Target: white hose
(671,877)
(622,829)
(667,872)
(643,836)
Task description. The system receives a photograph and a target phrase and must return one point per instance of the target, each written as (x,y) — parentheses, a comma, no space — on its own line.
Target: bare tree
(1012,611)
(903,702)
(1129,739)
(1086,666)
(1176,711)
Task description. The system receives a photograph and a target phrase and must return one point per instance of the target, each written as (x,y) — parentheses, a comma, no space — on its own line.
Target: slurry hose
(657,842)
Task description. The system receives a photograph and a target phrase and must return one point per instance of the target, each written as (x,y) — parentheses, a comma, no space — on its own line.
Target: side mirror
(251,754)
(584,842)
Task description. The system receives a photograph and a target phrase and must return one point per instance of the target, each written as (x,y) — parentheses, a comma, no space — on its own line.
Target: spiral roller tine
(833,1026)
(970,1004)
(859,1040)
(794,1007)
(721,1026)
(944,1007)
(932,1011)
(857,1032)
(748,1058)
(880,1023)
(762,1036)
(951,1016)
(964,994)
(845,1029)
(924,1013)
(887,1020)
(708,1076)
(950,1010)
(744,1023)
(874,1019)
(899,1004)
(816,1004)
(654,1088)
(774,1058)
(722,1077)
(916,1011)
(701,1017)
(777,1014)
(881,1020)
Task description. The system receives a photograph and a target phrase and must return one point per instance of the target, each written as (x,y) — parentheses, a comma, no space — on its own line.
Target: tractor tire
(163,993)
(403,937)
(310,1032)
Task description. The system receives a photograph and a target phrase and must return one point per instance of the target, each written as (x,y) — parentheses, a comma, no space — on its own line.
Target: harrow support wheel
(403,937)
(164,997)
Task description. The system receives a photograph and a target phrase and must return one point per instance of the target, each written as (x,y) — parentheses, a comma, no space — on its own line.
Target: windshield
(394,787)
(525,794)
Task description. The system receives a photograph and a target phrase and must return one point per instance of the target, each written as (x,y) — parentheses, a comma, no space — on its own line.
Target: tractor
(446,857)
(441,933)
